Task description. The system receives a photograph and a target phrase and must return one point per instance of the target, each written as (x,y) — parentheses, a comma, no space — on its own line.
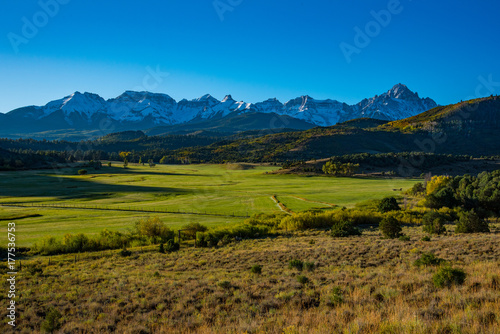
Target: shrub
(428,259)
(433,223)
(271,220)
(153,230)
(446,277)
(437,183)
(161,249)
(191,229)
(390,227)
(82,243)
(426,238)
(52,321)
(82,172)
(417,189)
(125,252)
(225,284)
(256,269)
(344,229)
(171,246)
(388,204)
(336,297)
(213,237)
(309,266)
(470,222)
(441,198)
(302,279)
(404,238)
(308,220)
(34,269)
(412,217)
(297,264)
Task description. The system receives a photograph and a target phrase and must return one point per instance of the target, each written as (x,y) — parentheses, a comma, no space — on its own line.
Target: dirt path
(281,205)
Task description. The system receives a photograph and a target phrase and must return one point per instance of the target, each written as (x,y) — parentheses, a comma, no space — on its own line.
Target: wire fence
(126,209)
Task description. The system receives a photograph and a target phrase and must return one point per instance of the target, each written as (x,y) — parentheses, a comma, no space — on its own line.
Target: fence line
(129,209)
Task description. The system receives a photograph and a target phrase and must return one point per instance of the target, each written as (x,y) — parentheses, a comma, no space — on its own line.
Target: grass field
(185,188)
(362,284)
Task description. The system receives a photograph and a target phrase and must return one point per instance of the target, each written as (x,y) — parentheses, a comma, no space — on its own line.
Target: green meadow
(191,192)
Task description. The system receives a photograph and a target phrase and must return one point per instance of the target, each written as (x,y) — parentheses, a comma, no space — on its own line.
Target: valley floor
(114,198)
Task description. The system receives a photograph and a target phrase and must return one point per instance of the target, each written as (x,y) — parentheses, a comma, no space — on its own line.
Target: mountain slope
(471,127)
(234,123)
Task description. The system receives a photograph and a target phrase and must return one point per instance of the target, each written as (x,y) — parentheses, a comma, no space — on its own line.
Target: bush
(309,220)
(309,266)
(153,230)
(271,220)
(441,198)
(390,227)
(82,243)
(225,285)
(344,229)
(428,259)
(82,172)
(470,222)
(297,264)
(404,238)
(191,229)
(302,279)
(336,297)
(388,204)
(426,238)
(256,269)
(125,252)
(171,246)
(433,223)
(417,189)
(52,321)
(446,277)
(34,269)
(161,249)
(213,237)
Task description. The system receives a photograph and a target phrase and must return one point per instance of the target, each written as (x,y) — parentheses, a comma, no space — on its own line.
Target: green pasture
(184,188)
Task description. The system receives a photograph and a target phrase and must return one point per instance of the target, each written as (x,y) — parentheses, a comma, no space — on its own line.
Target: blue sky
(252,49)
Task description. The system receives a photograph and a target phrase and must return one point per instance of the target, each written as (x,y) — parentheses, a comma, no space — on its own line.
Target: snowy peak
(141,109)
(207,99)
(397,103)
(228,98)
(269,105)
(400,91)
(85,104)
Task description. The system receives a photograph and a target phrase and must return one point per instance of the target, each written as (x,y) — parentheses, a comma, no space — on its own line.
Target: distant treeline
(417,159)
(29,159)
(122,141)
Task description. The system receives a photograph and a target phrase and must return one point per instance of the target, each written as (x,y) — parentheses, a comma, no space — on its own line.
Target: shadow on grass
(118,171)
(52,185)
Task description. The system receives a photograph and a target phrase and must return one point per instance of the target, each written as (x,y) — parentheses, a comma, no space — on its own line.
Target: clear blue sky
(260,49)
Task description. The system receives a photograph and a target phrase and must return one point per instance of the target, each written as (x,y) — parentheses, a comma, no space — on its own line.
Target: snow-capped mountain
(397,103)
(142,110)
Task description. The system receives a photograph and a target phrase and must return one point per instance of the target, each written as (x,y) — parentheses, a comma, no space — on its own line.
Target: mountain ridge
(143,110)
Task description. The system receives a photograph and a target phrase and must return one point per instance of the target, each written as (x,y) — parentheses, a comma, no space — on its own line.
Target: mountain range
(131,110)
(469,128)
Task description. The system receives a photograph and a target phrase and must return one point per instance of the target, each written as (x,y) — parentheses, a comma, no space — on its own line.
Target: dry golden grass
(360,285)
